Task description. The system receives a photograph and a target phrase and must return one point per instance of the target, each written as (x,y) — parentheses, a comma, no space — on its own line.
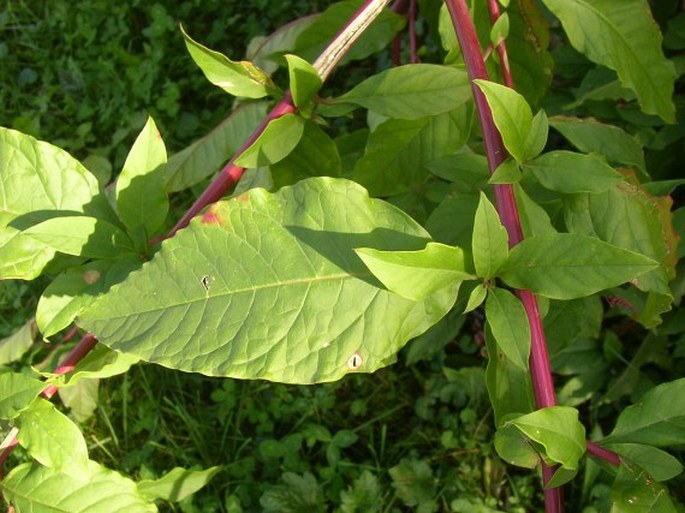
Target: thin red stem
(493,6)
(600,452)
(413,54)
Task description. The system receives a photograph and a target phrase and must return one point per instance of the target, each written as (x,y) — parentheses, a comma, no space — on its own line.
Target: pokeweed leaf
(275,143)
(81,236)
(177,484)
(624,38)
(53,440)
(35,178)
(534,218)
(509,325)
(412,91)
(591,136)
(570,173)
(490,242)
(508,171)
(556,434)
(17,392)
(568,266)
(101,362)
(13,347)
(268,286)
(500,29)
(476,297)
(266,51)
(141,187)
(512,116)
(237,78)
(634,491)
(657,419)
(305,81)
(32,488)
(660,465)
(537,137)
(82,399)
(207,155)
(416,275)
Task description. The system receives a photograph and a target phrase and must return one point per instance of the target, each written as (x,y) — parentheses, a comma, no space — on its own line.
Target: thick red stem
(602,453)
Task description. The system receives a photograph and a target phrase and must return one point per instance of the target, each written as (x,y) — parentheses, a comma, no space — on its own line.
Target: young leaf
(571,173)
(33,488)
(237,78)
(625,39)
(13,347)
(275,143)
(412,91)
(534,218)
(101,362)
(416,275)
(568,266)
(537,137)
(305,81)
(141,187)
(53,440)
(658,419)
(634,491)
(81,399)
(500,29)
(17,392)
(490,242)
(660,465)
(290,254)
(177,484)
(476,297)
(508,171)
(512,116)
(509,324)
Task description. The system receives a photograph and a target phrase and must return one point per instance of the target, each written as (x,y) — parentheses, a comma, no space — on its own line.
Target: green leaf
(414,483)
(500,29)
(363,496)
(275,143)
(290,254)
(490,242)
(476,297)
(177,484)
(141,186)
(570,173)
(634,491)
(81,236)
(534,218)
(591,136)
(305,81)
(660,465)
(36,176)
(398,151)
(412,91)
(237,78)
(657,419)
(17,392)
(53,440)
(74,289)
(15,346)
(509,324)
(416,275)
(508,171)
(297,494)
(557,435)
(101,362)
(32,488)
(81,399)
(537,137)
(568,266)
(266,52)
(512,116)
(625,39)
(208,154)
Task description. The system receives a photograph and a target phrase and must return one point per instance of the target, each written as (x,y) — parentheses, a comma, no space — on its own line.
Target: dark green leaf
(297,494)
(634,491)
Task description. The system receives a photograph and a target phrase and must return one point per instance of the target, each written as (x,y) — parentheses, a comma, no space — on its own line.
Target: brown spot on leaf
(91,276)
(211,216)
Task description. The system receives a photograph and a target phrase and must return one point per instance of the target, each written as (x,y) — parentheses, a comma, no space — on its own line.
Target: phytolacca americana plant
(318,278)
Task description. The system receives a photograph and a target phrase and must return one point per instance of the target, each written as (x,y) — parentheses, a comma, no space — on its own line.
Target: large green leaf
(658,419)
(177,484)
(17,392)
(53,440)
(206,155)
(660,465)
(622,36)
(509,324)
(268,286)
(32,488)
(490,242)
(417,274)
(36,177)
(399,150)
(634,491)
(141,186)
(412,91)
(568,266)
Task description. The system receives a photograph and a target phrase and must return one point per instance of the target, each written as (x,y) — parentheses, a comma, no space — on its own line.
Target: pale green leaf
(508,171)
(101,362)
(32,488)
(305,81)
(660,465)
(568,266)
(509,324)
(476,297)
(537,137)
(277,140)
(490,242)
(141,187)
(416,275)
(177,484)
(511,114)
(17,392)
(412,91)
(237,78)
(624,37)
(286,300)
(12,348)
(570,173)
(81,399)
(500,29)
(53,440)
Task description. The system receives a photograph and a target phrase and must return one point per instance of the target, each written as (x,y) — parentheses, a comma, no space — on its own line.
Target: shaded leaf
(12,348)
(414,483)
(297,494)
(634,491)
(660,465)
(509,324)
(304,82)
(177,484)
(363,496)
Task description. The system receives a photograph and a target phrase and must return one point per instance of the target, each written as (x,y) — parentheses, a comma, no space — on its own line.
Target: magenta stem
(413,54)
(600,452)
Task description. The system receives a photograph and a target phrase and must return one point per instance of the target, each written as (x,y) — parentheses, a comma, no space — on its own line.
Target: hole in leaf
(355,361)
(206,281)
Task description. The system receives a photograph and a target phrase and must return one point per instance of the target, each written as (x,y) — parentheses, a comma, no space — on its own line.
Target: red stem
(493,6)
(602,453)
(496,153)
(413,55)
